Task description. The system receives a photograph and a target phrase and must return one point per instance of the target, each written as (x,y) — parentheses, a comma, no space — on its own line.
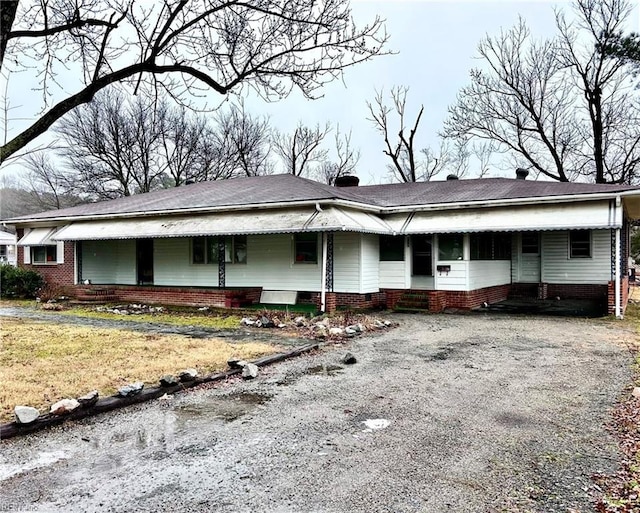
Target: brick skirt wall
(186,296)
(468,299)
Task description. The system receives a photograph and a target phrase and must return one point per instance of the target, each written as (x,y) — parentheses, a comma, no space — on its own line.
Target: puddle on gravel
(225,408)
(43,459)
(327,370)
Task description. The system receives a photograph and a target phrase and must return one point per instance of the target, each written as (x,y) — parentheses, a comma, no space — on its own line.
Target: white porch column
(617,276)
(323,277)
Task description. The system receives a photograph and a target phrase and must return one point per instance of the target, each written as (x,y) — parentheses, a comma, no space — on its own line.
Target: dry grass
(41,363)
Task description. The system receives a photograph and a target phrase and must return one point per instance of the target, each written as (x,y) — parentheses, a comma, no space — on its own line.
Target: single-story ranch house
(282,238)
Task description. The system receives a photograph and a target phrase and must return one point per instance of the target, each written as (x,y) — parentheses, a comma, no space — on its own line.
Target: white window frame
(570,244)
(294,249)
(33,260)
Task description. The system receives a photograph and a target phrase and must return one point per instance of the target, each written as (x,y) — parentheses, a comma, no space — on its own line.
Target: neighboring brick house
(455,243)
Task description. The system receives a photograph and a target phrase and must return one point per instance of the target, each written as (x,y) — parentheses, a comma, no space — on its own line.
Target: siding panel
(489,273)
(346,263)
(370,261)
(109,262)
(557,267)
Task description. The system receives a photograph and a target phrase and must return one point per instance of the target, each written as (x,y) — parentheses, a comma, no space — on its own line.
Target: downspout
(618,285)
(323,284)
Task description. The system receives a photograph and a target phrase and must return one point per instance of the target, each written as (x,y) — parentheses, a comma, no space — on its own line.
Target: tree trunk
(8,10)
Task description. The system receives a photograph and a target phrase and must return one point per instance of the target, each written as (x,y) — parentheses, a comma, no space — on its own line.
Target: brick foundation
(187,296)
(467,300)
(624,296)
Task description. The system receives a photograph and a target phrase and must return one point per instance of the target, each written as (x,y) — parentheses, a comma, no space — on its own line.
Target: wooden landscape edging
(113,402)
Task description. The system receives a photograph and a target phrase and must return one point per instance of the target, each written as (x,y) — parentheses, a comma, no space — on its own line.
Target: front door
(144,251)
(421,255)
(529,257)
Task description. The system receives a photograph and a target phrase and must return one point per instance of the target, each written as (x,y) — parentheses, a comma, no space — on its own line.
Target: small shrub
(50,292)
(16,282)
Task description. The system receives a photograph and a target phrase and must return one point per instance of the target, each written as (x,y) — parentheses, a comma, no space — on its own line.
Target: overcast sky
(436,45)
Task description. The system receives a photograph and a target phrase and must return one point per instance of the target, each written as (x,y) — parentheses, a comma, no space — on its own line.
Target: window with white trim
(305,248)
(204,249)
(44,254)
(579,244)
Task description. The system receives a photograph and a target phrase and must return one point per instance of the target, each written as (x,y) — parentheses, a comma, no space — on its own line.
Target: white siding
(456,279)
(488,273)
(557,267)
(370,260)
(393,275)
(112,261)
(270,266)
(346,262)
(172,265)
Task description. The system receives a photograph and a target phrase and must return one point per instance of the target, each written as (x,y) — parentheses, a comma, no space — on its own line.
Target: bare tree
(49,186)
(300,150)
(401,151)
(408,163)
(184,47)
(112,145)
(558,105)
(245,140)
(347,159)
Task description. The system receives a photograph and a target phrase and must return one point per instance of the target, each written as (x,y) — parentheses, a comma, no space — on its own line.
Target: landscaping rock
(89,399)
(636,392)
(348,359)
(64,406)
(350,332)
(168,381)
(249,371)
(26,414)
(236,363)
(246,321)
(131,389)
(300,321)
(321,332)
(188,375)
(265,322)
(336,331)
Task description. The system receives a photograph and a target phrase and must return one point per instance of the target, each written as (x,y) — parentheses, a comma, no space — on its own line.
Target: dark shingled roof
(265,190)
(235,192)
(483,189)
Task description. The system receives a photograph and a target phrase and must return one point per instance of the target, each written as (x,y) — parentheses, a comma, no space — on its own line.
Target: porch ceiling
(586,215)
(236,223)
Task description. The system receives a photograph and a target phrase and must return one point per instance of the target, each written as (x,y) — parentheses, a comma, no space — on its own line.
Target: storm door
(530,254)
(144,251)
(422,255)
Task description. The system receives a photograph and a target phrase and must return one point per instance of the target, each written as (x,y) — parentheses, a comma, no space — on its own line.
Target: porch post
(221,263)
(323,279)
(617,275)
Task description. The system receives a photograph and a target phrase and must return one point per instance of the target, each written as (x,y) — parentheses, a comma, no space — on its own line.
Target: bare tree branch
(185,47)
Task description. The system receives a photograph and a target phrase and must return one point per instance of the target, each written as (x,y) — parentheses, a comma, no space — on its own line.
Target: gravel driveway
(467,413)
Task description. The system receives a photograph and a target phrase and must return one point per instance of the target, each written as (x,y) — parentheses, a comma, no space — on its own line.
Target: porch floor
(559,307)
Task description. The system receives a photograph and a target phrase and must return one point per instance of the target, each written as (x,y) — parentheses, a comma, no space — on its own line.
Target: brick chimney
(347,181)
(521,174)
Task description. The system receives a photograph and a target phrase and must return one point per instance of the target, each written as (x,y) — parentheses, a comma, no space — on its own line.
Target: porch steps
(412,302)
(95,296)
